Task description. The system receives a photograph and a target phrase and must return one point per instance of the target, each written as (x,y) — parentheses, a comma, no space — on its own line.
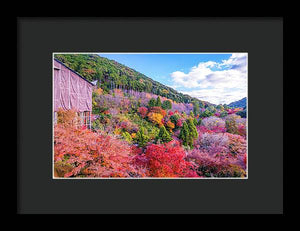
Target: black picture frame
(261,193)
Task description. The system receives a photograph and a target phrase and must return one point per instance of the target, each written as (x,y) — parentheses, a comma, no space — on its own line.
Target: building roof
(74,72)
(94,82)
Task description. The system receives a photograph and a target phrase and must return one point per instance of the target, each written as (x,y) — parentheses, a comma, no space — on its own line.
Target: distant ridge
(240,103)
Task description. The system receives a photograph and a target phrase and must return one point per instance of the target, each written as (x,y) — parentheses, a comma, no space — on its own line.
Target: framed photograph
(148,124)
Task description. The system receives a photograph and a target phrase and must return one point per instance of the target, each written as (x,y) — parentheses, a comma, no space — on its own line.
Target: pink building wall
(70,91)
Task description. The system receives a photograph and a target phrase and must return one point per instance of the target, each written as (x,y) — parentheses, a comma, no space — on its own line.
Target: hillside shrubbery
(130,139)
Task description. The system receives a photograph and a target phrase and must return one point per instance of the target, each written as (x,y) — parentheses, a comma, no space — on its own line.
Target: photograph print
(150,115)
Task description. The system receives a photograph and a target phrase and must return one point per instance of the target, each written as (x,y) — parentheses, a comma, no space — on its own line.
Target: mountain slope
(111,74)
(240,103)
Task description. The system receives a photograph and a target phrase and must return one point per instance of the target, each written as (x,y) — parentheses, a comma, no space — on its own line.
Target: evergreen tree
(174,118)
(139,103)
(195,122)
(212,109)
(196,108)
(223,114)
(201,105)
(152,102)
(163,135)
(192,128)
(206,113)
(127,137)
(185,136)
(167,105)
(141,137)
(158,102)
(220,107)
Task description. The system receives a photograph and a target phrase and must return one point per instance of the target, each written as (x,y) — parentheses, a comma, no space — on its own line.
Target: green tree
(201,104)
(192,128)
(158,102)
(127,137)
(163,135)
(223,114)
(152,102)
(196,108)
(185,136)
(212,109)
(220,107)
(139,103)
(195,122)
(166,105)
(192,114)
(141,137)
(206,113)
(174,118)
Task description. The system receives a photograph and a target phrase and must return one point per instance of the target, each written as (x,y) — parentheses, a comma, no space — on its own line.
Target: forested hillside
(111,74)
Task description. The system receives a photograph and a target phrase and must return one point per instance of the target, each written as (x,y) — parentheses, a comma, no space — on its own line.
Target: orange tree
(155,118)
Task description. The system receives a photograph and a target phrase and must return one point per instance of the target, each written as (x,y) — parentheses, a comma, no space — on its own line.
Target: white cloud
(196,75)
(215,82)
(217,96)
(237,61)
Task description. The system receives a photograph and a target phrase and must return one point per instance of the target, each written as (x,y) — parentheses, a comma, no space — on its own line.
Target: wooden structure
(71,91)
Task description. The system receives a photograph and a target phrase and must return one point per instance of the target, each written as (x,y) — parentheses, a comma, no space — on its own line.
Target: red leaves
(93,154)
(143,111)
(245,159)
(167,160)
(75,170)
(237,144)
(179,123)
(80,152)
(242,130)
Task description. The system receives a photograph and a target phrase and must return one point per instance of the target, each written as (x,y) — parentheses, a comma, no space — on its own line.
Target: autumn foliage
(167,160)
(155,118)
(158,110)
(133,138)
(90,154)
(68,118)
(170,125)
(143,111)
(98,91)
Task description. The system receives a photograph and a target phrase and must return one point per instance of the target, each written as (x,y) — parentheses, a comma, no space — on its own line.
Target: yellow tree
(155,118)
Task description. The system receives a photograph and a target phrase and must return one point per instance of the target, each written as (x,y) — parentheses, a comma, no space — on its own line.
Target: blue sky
(217,78)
